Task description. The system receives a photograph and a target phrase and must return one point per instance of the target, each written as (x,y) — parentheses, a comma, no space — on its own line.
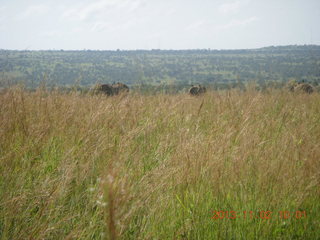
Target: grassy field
(159,167)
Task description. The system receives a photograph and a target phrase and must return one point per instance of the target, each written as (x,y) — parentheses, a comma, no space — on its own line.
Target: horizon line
(159,49)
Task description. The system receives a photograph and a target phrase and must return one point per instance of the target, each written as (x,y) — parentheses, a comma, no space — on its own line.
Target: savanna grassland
(158,167)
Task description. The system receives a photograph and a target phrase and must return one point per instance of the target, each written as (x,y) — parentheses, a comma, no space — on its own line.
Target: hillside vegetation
(221,69)
(158,167)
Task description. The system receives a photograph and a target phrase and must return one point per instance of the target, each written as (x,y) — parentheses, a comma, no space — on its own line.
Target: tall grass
(157,167)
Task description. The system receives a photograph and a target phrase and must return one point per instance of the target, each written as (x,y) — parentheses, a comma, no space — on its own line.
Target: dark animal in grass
(303,88)
(112,89)
(197,90)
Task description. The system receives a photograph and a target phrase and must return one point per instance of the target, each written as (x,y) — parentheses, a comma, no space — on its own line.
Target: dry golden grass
(156,167)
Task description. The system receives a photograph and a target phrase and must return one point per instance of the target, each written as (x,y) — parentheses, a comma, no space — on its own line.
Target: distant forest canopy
(216,68)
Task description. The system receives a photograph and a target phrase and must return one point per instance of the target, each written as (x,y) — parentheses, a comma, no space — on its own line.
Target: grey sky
(164,24)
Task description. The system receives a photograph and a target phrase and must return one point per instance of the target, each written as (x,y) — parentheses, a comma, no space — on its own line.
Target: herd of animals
(302,87)
(117,88)
(195,90)
(111,89)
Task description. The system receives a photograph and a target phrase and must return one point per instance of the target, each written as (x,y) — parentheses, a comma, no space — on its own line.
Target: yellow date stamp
(266,215)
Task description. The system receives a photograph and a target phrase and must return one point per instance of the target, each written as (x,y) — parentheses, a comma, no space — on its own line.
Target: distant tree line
(163,69)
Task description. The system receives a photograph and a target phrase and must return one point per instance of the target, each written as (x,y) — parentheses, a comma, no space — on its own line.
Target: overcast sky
(164,24)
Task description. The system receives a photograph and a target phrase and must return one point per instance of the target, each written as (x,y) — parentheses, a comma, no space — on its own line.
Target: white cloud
(77,30)
(3,9)
(57,33)
(100,8)
(202,24)
(35,10)
(101,26)
(2,13)
(171,11)
(51,34)
(237,23)
(85,11)
(231,8)
(154,36)
(195,25)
